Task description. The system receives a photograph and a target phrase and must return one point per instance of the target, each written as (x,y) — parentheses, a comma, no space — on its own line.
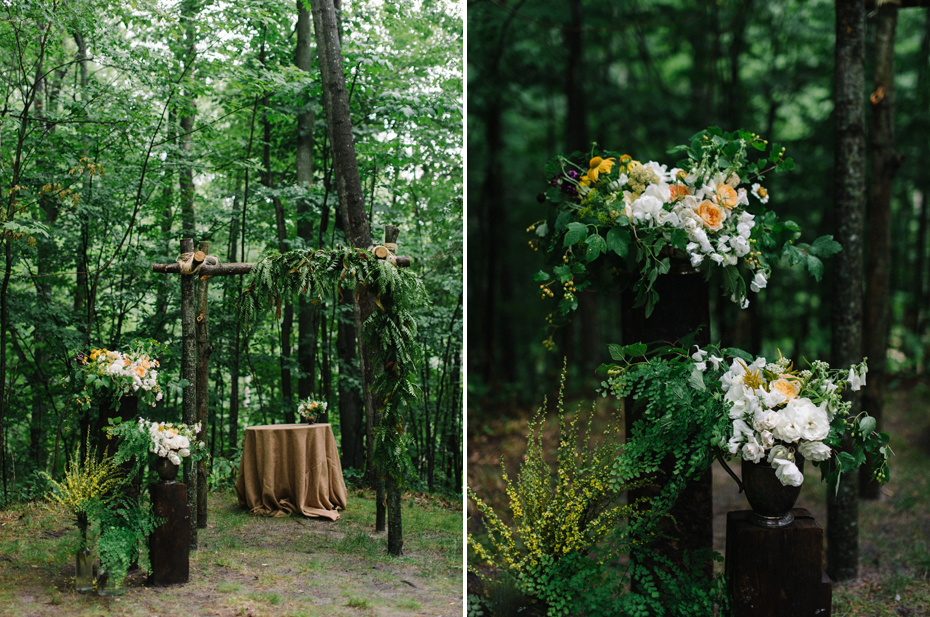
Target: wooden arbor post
(683,308)
(194,267)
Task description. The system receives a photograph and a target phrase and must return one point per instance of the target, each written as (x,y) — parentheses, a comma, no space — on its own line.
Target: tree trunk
(846,314)
(351,415)
(307,313)
(189,372)
(204,349)
(885,164)
(187,111)
(348,185)
(919,311)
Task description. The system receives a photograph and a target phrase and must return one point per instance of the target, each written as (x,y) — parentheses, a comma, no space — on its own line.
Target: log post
(188,373)
(204,349)
(774,572)
(169,544)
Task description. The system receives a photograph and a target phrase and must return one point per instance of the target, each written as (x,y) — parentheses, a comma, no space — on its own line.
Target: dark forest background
(549,77)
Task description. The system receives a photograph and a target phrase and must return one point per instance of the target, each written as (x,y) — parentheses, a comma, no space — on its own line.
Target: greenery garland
(390,329)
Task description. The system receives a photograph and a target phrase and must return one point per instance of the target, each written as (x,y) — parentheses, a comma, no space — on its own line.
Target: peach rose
(786,385)
(711,215)
(726,195)
(678,191)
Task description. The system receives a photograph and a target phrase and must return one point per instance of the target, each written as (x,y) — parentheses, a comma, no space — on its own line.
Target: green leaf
(618,241)
(541,276)
(867,425)
(542,229)
(576,233)
(596,246)
(825,246)
(696,380)
(616,352)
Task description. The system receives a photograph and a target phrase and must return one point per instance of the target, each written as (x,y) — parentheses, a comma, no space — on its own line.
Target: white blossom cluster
(128,373)
(310,408)
(169,440)
(771,420)
(710,208)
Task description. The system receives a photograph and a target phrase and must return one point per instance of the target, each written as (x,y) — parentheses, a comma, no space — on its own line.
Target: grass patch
(248,565)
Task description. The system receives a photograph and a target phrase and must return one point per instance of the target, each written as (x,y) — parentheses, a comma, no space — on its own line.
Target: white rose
(814,450)
(752,451)
(768,440)
(780,452)
(184,452)
(788,473)
(774,398)
(787,428)
(173,457)
(815,425)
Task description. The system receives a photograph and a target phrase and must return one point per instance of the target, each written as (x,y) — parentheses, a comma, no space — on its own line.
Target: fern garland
(390,329)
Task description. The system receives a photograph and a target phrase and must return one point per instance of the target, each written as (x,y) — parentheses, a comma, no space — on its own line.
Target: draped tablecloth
(288,468)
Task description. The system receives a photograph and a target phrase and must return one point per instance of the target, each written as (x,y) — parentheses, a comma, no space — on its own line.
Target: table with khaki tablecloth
(287,468)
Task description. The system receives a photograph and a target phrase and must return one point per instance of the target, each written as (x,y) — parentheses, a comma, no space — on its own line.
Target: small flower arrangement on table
(310,409)
(114,373)
(740,406)
(614,219)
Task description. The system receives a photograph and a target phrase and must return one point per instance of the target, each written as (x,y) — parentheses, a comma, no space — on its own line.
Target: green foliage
(125,525)
(391,328)
(559,515)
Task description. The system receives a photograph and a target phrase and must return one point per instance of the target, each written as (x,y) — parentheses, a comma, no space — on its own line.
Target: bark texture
(885,164)
(189,372)
(846,315)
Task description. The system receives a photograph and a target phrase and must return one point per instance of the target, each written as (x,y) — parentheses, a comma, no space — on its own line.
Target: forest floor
(253,566)
(894,541)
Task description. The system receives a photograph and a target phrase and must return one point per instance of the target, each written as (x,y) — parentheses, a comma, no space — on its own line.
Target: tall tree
(846,316)
(885,164)
(354,217)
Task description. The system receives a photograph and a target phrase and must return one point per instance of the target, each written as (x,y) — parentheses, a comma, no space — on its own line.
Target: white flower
(768,440)
(715,361)
(184,452)
(760,193)
(780,452)
(773,398)
(696,259)
(788,473)
(647,209)
(173,457)
(814,450)
(758,282)
(787,429)
(812,420)
(766,420)
(856,380)
(752,451)
(701,366)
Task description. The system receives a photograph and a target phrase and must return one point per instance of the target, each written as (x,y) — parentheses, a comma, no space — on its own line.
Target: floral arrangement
(778,412)
(168,440)
(171,441)
(116,374)
(615,217)
(759,410)
(309,408)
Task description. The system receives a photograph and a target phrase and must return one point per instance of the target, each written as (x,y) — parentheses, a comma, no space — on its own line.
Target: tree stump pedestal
(776,572)
(169,544)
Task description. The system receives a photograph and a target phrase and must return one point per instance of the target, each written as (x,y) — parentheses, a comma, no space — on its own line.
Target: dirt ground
(253,566)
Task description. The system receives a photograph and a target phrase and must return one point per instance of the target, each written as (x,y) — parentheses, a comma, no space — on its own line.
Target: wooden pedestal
(777,572)
(170,543)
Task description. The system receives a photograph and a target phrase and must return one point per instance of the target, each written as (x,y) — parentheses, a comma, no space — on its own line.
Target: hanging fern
(390,329)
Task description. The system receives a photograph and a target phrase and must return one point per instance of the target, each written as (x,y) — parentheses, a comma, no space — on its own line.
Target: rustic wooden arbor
(196,269)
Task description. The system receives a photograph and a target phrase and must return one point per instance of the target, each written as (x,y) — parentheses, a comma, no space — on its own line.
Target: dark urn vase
(770,500)
(166,470)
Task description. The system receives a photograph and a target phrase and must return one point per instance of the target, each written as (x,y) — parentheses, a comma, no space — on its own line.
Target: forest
(127,127)
(562,92)
(547,78)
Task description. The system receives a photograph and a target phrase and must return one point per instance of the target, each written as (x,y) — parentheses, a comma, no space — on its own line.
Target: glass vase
(84,571)
(111,585)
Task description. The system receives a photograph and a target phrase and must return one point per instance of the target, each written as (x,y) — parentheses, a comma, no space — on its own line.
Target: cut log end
(381,252)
